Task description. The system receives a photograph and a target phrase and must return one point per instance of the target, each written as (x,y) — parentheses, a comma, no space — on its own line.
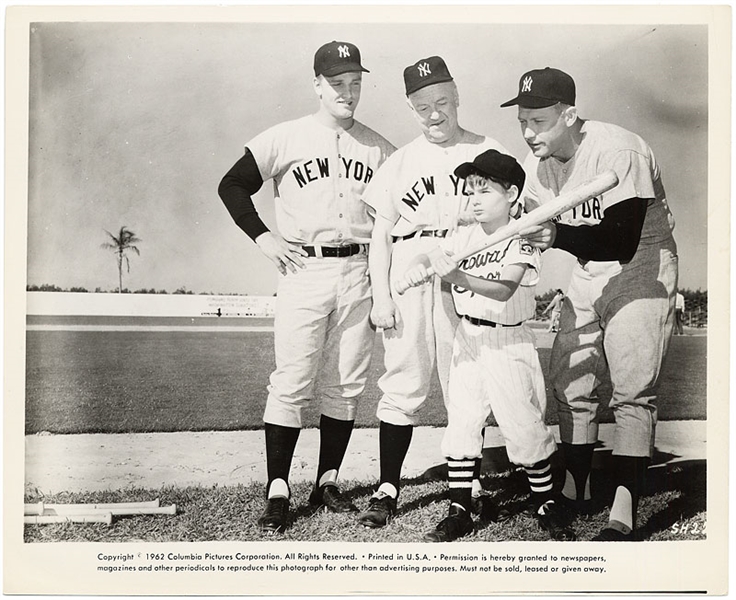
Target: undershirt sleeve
(236,188)
(616,237)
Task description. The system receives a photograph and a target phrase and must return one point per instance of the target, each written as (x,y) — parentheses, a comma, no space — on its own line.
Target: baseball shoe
(608,534)
(273,518)
(487,510)
(456,524)
(552,518)
(381,508)
(583,508)
(331,497)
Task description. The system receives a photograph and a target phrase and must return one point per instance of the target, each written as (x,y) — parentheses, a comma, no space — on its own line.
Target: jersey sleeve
(634,175)
(522,253)
(378,193)
(266,149)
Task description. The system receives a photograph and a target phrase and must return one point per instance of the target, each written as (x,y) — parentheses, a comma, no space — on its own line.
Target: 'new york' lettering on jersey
(489,264)
(604,146)
(416,187)
(319,176)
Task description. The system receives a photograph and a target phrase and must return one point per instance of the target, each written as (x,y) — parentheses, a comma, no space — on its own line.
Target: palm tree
(120,245)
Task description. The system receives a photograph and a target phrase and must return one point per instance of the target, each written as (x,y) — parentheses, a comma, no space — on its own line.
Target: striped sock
(540,481)
(460,476)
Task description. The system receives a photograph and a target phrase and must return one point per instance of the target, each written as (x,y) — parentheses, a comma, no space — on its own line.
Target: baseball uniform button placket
(484,323)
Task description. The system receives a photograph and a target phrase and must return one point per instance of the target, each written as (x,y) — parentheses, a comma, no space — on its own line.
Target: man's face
(544,129)
(435,108)
(339,94)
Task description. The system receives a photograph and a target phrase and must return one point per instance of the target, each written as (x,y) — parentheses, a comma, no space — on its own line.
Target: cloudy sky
(135,123)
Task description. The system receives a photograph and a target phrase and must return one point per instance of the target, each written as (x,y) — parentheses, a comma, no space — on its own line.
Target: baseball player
(554,307)
(495,365)
(320,165)
(415,198)
(620,303)
(679,311)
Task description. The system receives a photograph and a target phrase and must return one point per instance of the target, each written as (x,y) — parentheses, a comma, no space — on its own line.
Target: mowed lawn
(146,381)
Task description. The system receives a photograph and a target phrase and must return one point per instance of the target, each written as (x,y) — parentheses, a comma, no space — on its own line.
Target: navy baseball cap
(335,58)
(493,163)
(424,72)
(544,87)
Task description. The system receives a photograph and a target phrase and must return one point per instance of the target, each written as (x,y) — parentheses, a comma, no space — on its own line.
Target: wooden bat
(549,210)
(105,518)
(41,508)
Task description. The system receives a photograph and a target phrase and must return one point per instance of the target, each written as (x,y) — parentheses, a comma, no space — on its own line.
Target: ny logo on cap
(526,85)
(344,51)
(424,69)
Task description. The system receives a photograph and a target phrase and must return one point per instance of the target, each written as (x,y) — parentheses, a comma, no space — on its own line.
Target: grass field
(147,381)
(673,508)
(144,381)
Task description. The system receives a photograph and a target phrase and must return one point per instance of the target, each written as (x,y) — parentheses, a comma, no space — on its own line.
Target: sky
(134,123)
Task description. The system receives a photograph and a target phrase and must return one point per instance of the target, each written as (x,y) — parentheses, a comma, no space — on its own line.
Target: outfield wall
(146,305)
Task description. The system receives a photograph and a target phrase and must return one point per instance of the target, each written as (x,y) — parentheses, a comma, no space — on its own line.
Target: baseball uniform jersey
(322,311)
(496,368)
(417,191)
(619,312)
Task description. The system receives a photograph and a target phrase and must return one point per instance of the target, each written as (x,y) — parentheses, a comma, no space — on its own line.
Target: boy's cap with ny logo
(336,58)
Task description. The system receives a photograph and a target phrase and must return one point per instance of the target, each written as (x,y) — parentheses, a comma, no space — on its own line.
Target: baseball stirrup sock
(578,460)
(477,488)
(280,444)
(460,478)
(540,481)
(334,436)
(394,443)
(629,475)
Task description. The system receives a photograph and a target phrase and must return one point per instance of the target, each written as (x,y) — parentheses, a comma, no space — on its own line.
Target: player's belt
(476,321)
(334,251)
(440,233)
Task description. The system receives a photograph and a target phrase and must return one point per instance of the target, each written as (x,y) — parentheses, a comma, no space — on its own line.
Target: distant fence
(147,305)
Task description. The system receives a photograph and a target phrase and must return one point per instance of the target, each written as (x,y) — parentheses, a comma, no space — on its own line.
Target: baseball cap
(424,72)
(335,58)
(544,87)
(493,163)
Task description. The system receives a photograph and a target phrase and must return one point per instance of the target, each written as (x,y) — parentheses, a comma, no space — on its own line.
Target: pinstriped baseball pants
(497,369)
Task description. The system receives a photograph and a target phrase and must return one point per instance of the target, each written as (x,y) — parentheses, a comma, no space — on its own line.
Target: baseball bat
(40,507)
(595,186)
(102,517)
(115,511)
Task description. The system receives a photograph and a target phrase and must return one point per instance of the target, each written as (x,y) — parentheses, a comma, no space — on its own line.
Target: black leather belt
(476,321)
(334,251)
(440,233)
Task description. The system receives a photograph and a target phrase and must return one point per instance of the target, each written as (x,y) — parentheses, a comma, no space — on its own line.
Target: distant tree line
(46,287)
(696,301)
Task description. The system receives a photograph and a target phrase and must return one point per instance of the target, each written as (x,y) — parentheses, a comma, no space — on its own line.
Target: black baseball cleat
(583,508)
(456,524)
(381,508)
(331,498)
(273,518)
(552,518)
(609,534)
(487,510)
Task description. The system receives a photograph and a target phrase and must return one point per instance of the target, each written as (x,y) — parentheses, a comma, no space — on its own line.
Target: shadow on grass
(677,490)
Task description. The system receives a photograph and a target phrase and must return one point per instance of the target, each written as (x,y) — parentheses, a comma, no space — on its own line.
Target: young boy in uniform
(495,366)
